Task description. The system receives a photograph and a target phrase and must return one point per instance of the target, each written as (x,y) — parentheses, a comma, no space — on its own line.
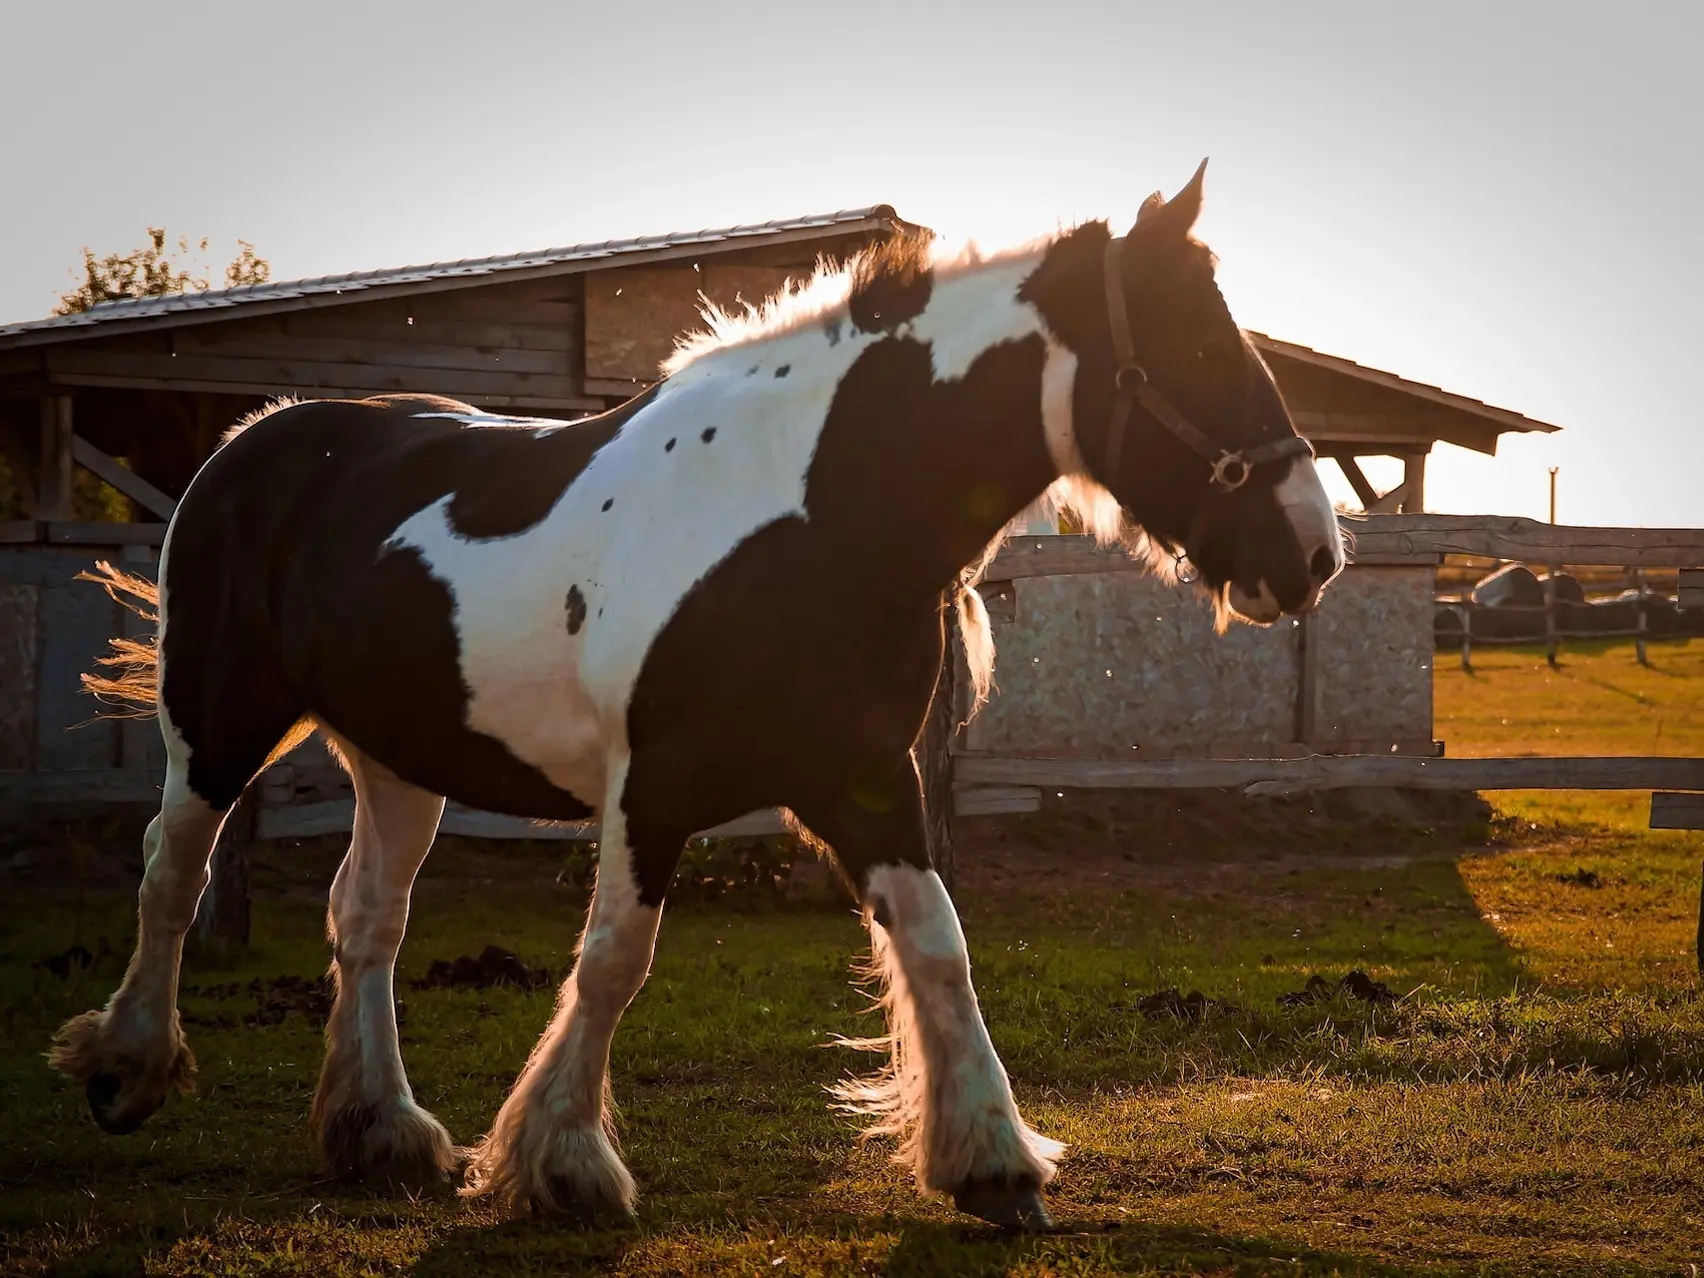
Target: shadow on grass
(887,1244)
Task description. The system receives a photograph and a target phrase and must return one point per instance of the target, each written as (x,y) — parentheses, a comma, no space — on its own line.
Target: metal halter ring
(1185,570)
(1231,471)
(1130,378)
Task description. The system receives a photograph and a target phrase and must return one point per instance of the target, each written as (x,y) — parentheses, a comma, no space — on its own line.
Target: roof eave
(880,218)
(1505,418)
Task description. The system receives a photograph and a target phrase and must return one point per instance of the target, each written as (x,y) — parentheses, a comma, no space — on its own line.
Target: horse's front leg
(553,1145)
(943,1093)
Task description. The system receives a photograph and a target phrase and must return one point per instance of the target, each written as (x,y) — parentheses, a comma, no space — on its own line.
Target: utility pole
(1553,471)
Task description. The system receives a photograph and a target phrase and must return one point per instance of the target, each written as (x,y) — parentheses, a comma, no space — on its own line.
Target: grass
(1534,1103)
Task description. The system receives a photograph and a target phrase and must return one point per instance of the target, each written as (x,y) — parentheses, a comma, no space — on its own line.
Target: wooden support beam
(1414,483)
(1336,772)
(53,482)
(127,481)
(1365,493)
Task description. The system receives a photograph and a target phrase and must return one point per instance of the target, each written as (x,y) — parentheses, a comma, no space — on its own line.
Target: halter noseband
(1131,385)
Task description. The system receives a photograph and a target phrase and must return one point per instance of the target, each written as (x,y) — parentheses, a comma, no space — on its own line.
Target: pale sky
(1499,198)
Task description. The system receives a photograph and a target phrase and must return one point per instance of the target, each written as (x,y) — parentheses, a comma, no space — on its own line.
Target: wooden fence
(966,783)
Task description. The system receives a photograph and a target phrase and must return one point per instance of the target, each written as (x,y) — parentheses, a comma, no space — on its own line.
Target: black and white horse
(725,595)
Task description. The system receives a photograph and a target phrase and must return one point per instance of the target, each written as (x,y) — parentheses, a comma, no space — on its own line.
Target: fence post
(1465,612)
(1641,626)
(222,923)
(1550,641)
(933,755)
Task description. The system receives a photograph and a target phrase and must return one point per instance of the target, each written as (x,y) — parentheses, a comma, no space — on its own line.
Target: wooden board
(1402,539)
(103,536)
(18,622)
(305,376)
(337,816)
(383,354)
(1671,810)
(995,800)
(77,620)
(1326,772)
(94,785)
(1692,587)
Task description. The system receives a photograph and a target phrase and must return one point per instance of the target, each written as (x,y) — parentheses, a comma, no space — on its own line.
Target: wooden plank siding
(497,345)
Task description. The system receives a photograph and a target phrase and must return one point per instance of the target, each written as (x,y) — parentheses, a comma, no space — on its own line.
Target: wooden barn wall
(512,344)
(52,628)
(1120,665)
(634,315)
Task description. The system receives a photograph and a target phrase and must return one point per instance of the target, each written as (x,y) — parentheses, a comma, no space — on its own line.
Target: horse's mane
(889,266)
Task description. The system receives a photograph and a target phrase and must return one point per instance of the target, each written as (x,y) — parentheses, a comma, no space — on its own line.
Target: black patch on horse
(358,636)
(891,284)
(576,610)
(709,434)
(515,476)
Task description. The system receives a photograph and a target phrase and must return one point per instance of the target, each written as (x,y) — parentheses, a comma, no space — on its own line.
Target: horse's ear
(1177,214)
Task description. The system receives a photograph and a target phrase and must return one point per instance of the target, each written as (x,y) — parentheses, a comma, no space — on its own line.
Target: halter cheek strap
(1231,469)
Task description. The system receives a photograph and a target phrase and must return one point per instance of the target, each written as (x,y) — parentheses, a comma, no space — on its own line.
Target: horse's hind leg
(132,1054)
(364,1114)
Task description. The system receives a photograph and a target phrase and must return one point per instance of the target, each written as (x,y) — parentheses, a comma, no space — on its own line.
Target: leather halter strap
(1231,469)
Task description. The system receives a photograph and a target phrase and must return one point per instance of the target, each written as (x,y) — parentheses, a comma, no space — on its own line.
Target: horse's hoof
(1007,1205)
(102,1090)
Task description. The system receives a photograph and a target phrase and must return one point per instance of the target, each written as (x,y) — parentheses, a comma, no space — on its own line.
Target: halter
(1230,469)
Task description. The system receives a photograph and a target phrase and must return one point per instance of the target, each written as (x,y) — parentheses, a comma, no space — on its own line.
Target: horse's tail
(133,686)
(978,638)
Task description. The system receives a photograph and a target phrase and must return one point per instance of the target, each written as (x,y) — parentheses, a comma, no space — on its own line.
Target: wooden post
(933,754)
(53,486)
(222,923)
(1700,943)
(1642,625)
(1550,640)
(1413,483)
(1307,681)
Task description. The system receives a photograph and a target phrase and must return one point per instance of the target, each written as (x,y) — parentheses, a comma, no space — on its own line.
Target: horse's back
(281,574)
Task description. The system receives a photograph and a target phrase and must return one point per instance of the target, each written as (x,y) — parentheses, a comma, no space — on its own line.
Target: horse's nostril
(1323,563)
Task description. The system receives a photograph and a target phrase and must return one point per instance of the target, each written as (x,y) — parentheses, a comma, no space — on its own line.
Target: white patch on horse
(557,700)
(944,1092)
(961,323)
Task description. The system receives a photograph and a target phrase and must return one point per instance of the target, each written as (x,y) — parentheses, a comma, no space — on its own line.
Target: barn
(138,392)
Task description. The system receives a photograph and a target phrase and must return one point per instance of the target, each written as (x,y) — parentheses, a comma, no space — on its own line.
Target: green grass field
(1533,1104)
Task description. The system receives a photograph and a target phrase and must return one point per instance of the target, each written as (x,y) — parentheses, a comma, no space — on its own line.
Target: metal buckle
(1138,378)
(1228,465)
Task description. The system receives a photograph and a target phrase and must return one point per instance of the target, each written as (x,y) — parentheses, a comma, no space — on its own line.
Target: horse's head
(1179,417)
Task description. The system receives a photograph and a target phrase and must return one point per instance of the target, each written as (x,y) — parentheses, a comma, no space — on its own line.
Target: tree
(154,270)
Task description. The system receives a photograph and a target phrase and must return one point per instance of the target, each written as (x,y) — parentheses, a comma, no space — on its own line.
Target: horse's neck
(985,429)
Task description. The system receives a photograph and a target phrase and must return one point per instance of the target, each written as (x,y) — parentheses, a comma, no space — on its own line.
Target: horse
(732,592)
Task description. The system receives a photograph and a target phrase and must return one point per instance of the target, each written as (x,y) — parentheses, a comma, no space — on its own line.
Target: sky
(1498,198)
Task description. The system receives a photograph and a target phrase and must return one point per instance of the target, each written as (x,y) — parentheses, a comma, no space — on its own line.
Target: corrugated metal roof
(1507,418)
(359,281)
